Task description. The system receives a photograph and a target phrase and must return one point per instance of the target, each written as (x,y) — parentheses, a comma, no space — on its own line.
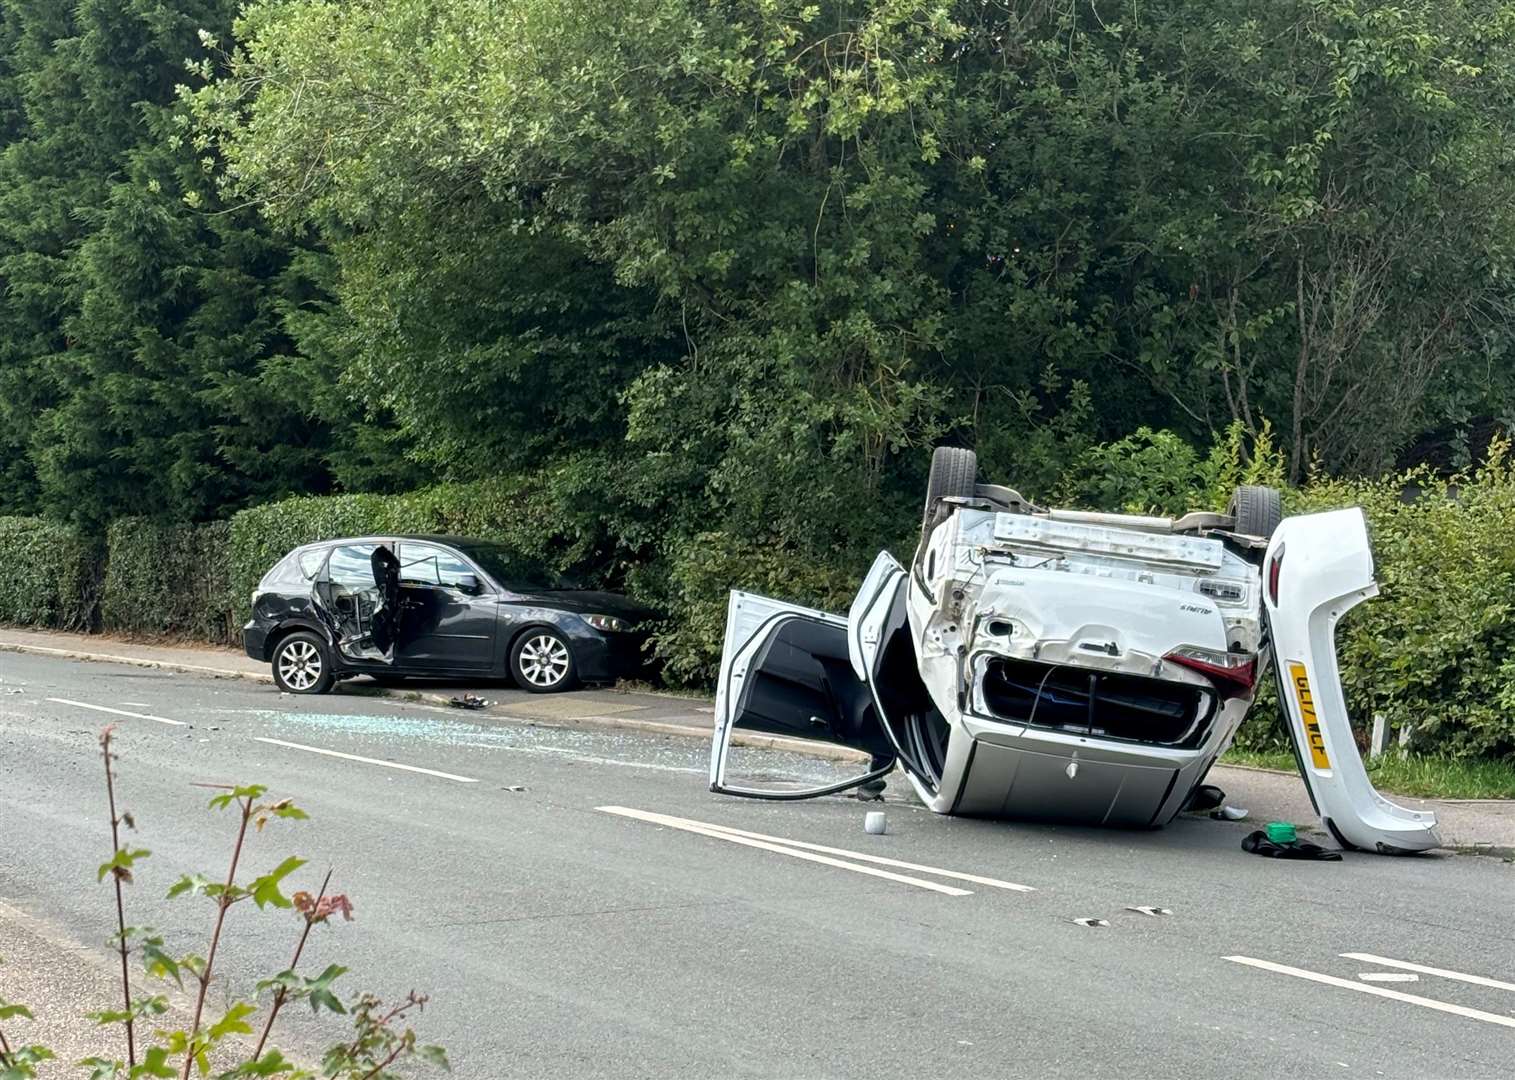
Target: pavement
(577,904)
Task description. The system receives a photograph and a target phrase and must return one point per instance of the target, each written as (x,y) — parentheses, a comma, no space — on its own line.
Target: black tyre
(301,664)
(542,662)
(954,474)
(1257,510)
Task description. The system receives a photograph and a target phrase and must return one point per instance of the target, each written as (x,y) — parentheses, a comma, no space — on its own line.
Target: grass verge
(1429,776)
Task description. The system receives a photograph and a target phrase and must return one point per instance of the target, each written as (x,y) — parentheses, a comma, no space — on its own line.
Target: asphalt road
(556,938)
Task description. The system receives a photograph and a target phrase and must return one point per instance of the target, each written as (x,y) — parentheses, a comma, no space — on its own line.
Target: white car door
(1318,567)
(792,719)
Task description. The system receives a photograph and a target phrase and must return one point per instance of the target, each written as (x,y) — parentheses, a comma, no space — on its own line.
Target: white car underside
(1057,665)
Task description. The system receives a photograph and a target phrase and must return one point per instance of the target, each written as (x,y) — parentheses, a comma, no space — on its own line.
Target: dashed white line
(993,883)
(1376,991)
(779,847)
(1388,976)
(1477,980)
(118,712)
(366,760)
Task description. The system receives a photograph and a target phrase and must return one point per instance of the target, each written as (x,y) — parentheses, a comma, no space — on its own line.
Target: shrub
(51,576)
(169,579)
(1159,472)
(703,573)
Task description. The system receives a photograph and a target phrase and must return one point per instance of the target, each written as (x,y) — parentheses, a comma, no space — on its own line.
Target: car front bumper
(603,657)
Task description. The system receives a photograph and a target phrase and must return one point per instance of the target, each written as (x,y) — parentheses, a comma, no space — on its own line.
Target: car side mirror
(469,583)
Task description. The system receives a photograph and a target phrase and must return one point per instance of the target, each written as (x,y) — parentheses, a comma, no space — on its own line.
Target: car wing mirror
(469,583)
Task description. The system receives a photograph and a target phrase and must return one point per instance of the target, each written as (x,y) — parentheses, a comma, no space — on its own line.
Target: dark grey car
(444,606)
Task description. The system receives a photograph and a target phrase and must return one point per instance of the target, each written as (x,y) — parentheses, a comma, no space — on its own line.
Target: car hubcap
(300,665)
(544,660)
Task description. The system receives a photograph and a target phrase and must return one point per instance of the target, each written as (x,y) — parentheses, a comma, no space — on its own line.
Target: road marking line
(366,760)
(1388,976)
(993,883)
(1478,980)
(119,712)
(778,849)
(1376,991)
(138,704)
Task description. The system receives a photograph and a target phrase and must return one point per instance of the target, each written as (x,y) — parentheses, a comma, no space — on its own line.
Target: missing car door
(792,719)
(358,597)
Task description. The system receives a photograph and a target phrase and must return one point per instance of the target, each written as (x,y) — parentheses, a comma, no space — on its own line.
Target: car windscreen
(512,571)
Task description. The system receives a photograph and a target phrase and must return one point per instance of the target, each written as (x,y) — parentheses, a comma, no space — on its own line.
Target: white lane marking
(778,849)
(118,712)
(366,760)
(993,883)
(1477,980)
(1376,991)
(138,704)
(1388,976)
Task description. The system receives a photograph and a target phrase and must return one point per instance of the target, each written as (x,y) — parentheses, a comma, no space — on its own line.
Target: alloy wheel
(544,660)
(300,665)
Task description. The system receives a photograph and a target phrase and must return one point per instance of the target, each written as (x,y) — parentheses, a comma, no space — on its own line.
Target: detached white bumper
(1318,567)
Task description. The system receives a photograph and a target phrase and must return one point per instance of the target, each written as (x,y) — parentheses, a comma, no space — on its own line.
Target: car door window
(429,564)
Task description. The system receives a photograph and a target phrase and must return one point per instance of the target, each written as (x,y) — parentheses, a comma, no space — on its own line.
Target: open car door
(1318,567)
(787,688)
(883,656)
(357,596)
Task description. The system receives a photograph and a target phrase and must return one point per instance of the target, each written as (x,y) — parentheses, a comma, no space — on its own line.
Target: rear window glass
(310,562)
(296,568)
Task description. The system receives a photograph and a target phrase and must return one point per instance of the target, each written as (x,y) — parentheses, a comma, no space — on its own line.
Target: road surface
(576,905)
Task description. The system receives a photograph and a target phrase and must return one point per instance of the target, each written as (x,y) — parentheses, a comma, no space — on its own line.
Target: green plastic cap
(1281,832)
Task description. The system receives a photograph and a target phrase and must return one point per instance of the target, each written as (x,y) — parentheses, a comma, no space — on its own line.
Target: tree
(145,360)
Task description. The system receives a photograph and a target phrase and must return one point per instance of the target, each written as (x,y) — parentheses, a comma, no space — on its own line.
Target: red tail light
(1275,564)
(1233,673)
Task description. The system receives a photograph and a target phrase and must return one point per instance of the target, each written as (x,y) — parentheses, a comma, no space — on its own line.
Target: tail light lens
(1275,564)
(1233,673)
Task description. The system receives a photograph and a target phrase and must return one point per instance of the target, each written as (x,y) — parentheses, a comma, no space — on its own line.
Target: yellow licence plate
(1306,700)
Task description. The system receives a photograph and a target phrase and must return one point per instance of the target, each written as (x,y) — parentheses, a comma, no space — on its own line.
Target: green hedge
(167,579)
(50,576)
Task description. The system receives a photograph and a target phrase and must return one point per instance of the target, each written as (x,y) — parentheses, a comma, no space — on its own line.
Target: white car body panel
(1325,570)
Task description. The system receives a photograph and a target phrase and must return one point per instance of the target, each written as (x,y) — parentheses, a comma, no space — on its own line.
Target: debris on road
(874,823)
(1091,922)
(468,701)
(1281,842)
(1153,911)
(1229,813)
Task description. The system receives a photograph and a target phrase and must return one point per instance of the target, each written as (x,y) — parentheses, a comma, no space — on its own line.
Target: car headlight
(607,622)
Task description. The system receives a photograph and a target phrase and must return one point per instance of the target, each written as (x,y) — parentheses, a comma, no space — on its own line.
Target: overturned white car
(1063,665)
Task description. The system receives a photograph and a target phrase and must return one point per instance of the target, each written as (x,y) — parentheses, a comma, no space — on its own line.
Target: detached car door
(445,622)
(792,718)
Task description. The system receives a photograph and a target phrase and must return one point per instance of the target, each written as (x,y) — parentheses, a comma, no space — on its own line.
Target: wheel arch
(517,633)
(288,627)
